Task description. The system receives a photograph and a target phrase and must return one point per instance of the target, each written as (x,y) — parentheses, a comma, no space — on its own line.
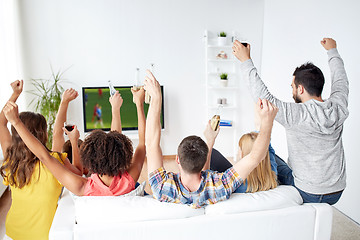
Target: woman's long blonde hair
(262,178)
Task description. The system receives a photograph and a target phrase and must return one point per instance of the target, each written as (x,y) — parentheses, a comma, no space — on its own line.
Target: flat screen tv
(97,109)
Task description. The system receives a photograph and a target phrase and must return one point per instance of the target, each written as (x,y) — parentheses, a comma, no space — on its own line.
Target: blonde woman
(262,178)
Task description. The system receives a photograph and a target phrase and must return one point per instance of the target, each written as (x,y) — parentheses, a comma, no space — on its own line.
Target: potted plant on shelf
(222,39)
(224,79)
(47,99)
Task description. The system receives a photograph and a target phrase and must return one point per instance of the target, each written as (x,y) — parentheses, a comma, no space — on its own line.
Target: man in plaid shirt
(195,184)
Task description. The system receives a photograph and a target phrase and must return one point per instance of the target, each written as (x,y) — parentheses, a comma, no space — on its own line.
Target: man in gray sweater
(313,126)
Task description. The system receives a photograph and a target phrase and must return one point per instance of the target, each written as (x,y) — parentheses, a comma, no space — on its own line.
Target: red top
(120,185)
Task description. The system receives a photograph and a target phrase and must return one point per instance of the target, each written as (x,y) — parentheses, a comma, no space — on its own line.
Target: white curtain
(9,50)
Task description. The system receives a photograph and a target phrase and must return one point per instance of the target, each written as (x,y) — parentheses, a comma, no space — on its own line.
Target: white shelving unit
(227,141)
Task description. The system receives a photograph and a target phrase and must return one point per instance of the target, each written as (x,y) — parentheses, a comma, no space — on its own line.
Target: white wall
(9,57)
(108,39)
(292,34)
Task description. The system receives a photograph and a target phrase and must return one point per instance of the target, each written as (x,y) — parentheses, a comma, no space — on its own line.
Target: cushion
(280,197)
(128,208)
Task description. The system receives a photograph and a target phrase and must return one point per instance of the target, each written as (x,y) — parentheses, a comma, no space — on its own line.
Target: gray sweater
(313,129)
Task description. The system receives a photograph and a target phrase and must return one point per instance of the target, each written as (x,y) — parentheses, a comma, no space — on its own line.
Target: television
(96,100)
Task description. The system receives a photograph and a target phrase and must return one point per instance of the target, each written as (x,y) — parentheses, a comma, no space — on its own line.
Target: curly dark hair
(20,161)
(106,153)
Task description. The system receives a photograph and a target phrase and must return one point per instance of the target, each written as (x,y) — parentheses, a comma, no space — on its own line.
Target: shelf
(223,88)
(218,46)
(216,92)
(218,73)
(226,127)
(227,106)
(223,60)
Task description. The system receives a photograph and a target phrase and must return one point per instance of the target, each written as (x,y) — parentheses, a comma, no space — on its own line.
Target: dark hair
(19,160)
(311,77)
(67,148)
(106,153)
(192,153)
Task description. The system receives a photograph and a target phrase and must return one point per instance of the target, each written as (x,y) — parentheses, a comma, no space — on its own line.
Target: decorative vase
(224,82)
(222,41)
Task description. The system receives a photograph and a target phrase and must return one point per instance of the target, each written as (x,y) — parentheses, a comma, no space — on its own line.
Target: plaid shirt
(214,187)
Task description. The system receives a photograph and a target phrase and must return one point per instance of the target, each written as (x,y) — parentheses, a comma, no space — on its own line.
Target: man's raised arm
(153,124)
(210,136)
(289,113)
(339,80)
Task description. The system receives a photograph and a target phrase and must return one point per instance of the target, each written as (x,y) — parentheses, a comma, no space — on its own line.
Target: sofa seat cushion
(280,197)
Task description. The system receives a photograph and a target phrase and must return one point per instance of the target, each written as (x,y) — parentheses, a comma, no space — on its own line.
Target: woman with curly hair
(109,156)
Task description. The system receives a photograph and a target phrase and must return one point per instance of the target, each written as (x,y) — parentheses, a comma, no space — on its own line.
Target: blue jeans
(285,177)
(138,184)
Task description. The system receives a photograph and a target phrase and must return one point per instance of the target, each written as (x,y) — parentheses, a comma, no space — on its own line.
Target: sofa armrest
(64,220)
(323,220)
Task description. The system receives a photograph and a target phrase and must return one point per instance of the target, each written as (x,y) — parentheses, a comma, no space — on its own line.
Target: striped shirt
(214,187)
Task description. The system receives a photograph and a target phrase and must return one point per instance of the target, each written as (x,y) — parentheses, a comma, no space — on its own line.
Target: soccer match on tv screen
(97,109)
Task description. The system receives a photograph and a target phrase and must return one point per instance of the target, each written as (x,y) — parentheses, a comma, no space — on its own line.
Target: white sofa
(275,214)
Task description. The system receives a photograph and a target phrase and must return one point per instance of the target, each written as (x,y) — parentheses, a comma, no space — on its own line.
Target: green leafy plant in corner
(223,76)
(222,34)
(47,99)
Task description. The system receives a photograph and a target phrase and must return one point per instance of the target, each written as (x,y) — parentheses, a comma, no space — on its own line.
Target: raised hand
(17,86)
(152,86)
(328,43)
(116,100)
(267,111)
(69,95)
(240,51)
(210,134)
(11,112)
(5,136)
(73,135)
(138,95)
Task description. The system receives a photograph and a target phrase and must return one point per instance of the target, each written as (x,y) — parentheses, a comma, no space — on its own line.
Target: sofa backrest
(280,197)
(129,209)
(134,208)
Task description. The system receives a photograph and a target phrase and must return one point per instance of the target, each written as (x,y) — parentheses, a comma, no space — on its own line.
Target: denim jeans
(138,184)
(285,177)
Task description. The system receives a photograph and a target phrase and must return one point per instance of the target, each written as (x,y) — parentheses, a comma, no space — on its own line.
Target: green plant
(223,76)
(47,99)
(222,34)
